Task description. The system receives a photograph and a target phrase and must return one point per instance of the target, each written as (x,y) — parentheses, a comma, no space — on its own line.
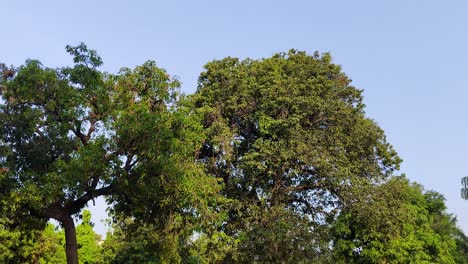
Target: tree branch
(128,163)
(84,139)
(54,212)
(75,206)
(92,125)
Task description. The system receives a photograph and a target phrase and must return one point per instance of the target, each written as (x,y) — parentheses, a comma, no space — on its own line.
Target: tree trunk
(70,239)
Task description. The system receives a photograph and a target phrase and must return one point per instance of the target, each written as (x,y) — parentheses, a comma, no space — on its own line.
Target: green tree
(71,134)
(89,250)
(461,252)
(130,243)
(33,246)
(48,245)
(51,245)
(288,138)
(397,223)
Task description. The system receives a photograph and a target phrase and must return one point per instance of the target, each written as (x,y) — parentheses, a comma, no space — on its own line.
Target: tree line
(269,161)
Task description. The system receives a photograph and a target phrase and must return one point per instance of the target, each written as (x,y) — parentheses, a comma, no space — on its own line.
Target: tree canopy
(270,161)
(397,223)
(71,134)
(288,135)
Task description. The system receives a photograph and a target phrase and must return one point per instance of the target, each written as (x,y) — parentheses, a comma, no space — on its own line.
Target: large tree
(289,139)
(72,134)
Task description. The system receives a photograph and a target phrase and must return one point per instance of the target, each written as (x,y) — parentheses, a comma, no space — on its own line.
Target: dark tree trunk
(70,239)
(63,214)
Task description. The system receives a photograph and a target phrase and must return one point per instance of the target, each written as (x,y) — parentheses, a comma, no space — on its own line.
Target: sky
(409,57)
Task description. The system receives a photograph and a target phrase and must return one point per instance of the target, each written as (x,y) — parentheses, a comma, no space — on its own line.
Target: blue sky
(410,57)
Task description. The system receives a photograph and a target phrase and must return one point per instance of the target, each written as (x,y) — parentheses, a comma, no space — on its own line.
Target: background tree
(88,248)
(34,246)
(288,135)
(397,223)
(461,253)
(131,243)
(72,134)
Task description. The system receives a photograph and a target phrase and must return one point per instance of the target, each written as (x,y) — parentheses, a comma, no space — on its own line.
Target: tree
(72,134)
(130,243)
(288,132)
(461,252)
(48,245)
(89,250)
(33,246)
(398,223)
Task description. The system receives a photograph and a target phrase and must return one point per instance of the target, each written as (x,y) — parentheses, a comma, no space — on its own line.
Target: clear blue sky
(410,57)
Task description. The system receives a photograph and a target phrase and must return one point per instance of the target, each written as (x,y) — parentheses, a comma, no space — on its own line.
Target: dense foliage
(397,223)
(19,246)
(72,134)
(48,245)
(270,161)
(289,139)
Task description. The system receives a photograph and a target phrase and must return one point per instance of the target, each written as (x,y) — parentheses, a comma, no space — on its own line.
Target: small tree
(87,239)
(72,134)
